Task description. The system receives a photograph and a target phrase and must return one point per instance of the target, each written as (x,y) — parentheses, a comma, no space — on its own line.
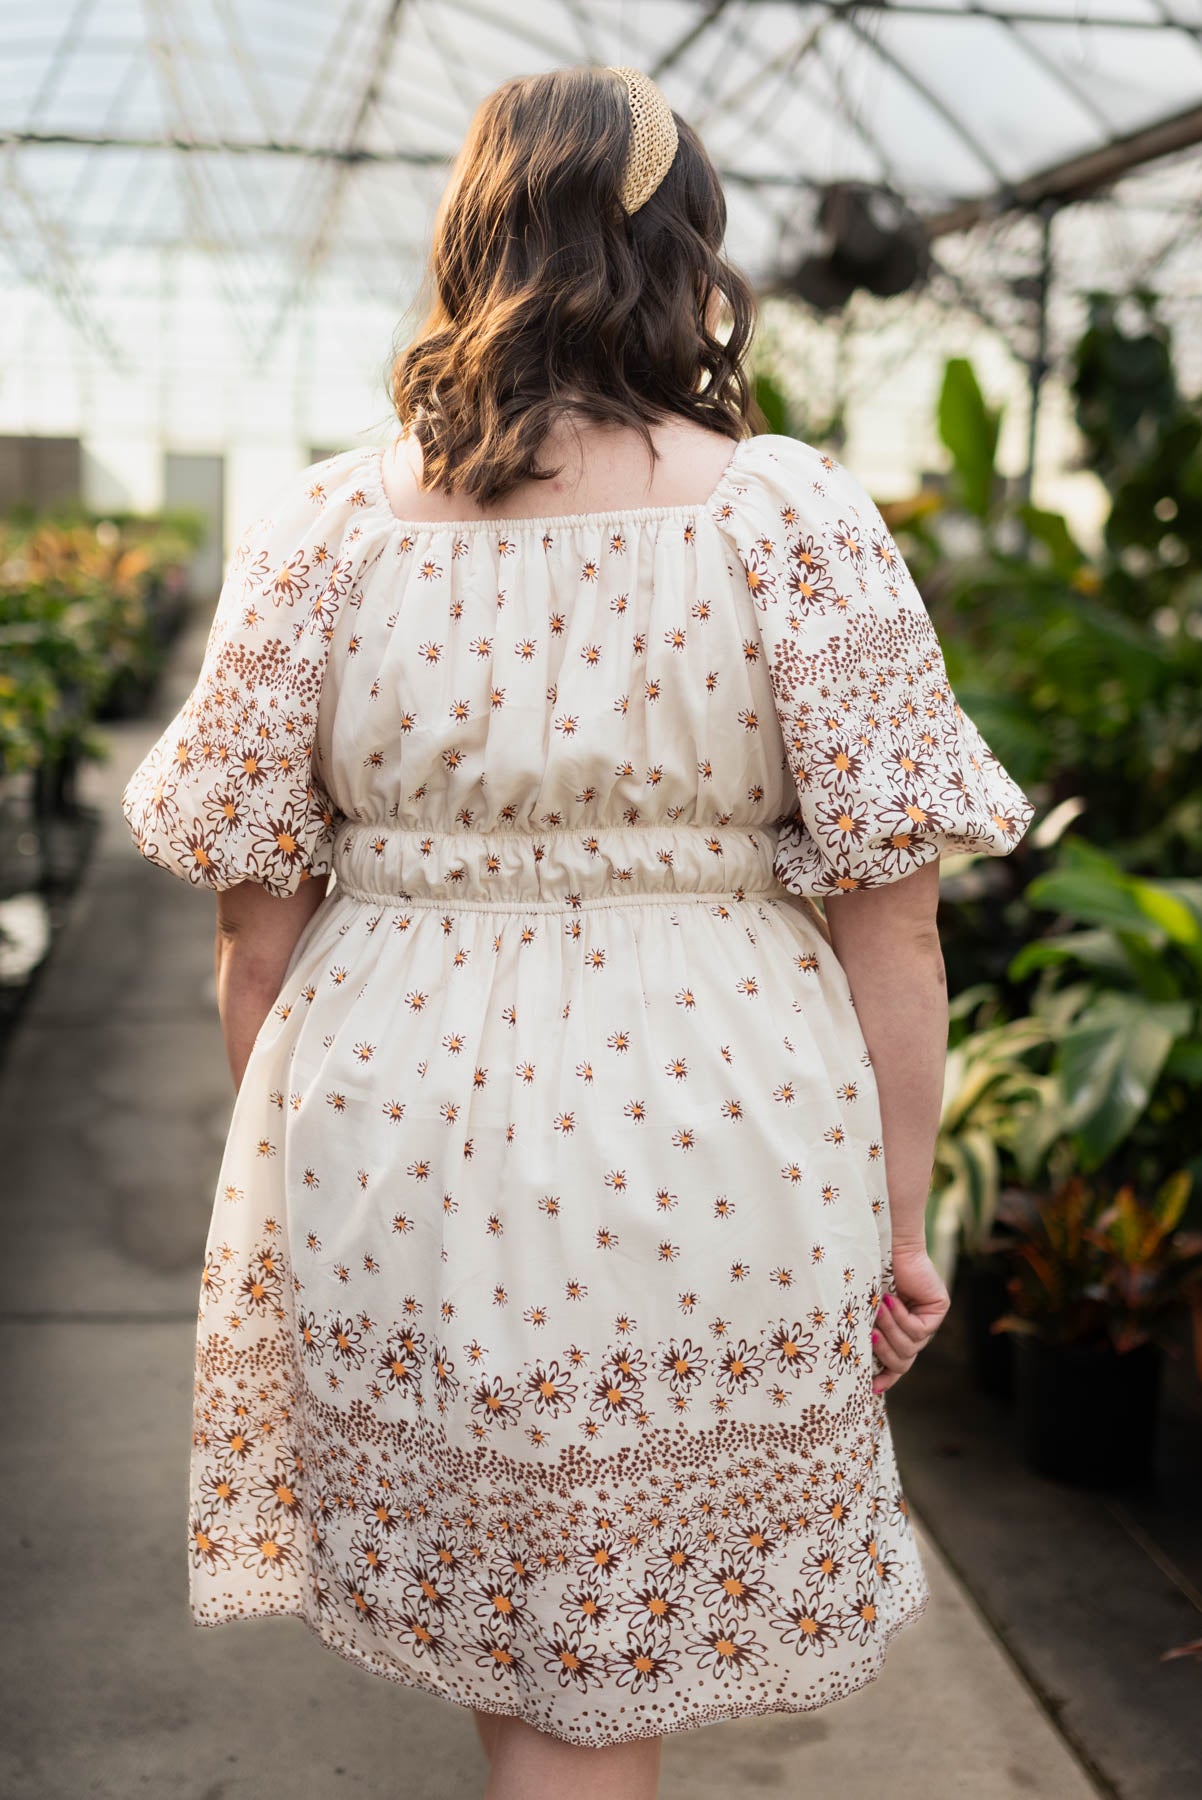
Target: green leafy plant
(996,1103)
(1123,975)
(1095,1266)
(969,428)
(1082,664)
(1082,668)
(86,609)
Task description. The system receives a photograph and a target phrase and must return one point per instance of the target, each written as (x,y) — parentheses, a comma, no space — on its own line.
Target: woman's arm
(256,935)
(887,941)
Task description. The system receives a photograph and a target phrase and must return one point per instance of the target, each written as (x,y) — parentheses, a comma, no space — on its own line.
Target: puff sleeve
(889,771)
(229,792)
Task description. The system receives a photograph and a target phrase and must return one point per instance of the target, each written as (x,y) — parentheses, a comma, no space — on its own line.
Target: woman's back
(595,469)
(535,1361)
(385,696)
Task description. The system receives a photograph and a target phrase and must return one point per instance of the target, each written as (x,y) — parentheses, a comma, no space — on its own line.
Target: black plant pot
(54,785)
(982,1282)
(1088,1416)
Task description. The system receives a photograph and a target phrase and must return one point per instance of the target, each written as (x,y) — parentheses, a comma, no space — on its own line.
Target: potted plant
(1100,1278)
(994,1105)
(87,608)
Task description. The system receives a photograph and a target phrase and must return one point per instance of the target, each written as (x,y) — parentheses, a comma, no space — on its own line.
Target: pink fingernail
(875,1336)
(888,1299)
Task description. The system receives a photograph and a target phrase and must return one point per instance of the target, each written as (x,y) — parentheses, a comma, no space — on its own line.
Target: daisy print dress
(534,1364)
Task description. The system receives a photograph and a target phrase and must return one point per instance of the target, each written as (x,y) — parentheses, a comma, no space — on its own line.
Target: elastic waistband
(560,869)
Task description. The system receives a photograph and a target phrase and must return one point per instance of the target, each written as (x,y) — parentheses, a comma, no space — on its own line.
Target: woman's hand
(909,1318)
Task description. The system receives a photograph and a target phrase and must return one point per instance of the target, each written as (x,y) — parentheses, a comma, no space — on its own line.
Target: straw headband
(652,139)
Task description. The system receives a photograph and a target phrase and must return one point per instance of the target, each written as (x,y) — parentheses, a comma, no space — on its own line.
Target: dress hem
(712,1715)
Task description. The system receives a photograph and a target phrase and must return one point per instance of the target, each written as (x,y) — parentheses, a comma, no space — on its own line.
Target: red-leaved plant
(1100,1269)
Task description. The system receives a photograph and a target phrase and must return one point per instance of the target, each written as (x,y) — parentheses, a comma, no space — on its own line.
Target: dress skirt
(534,1364)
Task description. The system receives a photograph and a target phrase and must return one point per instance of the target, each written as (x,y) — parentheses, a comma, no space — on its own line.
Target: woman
(554,1280)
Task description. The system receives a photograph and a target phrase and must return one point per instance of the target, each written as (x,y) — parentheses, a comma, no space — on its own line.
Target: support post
(1037,364)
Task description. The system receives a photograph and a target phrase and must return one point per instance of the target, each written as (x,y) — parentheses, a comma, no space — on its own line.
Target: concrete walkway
(113,1105)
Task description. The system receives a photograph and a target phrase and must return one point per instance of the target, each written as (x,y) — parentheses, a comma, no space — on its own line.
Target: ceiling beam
(972,11)
(1077,177)
(220,146)
(672,53)
(313,252)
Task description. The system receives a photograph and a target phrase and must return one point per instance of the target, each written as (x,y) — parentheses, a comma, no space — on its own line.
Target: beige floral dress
(534,1365)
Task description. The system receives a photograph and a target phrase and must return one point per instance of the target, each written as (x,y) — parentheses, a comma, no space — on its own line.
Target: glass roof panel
(185,179)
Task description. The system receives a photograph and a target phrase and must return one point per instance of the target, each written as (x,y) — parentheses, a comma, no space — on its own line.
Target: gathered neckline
(625,515)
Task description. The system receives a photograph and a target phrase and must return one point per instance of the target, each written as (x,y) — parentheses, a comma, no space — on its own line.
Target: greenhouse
(974,237)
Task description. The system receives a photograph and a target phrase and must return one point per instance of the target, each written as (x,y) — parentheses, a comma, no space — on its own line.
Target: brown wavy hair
(545,298)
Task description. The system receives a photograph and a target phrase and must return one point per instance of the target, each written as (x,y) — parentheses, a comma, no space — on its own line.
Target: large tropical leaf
(982,1184)
(1041,1127)
(1099,950)
(1094,898)
(1110,1059)
(969,428)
